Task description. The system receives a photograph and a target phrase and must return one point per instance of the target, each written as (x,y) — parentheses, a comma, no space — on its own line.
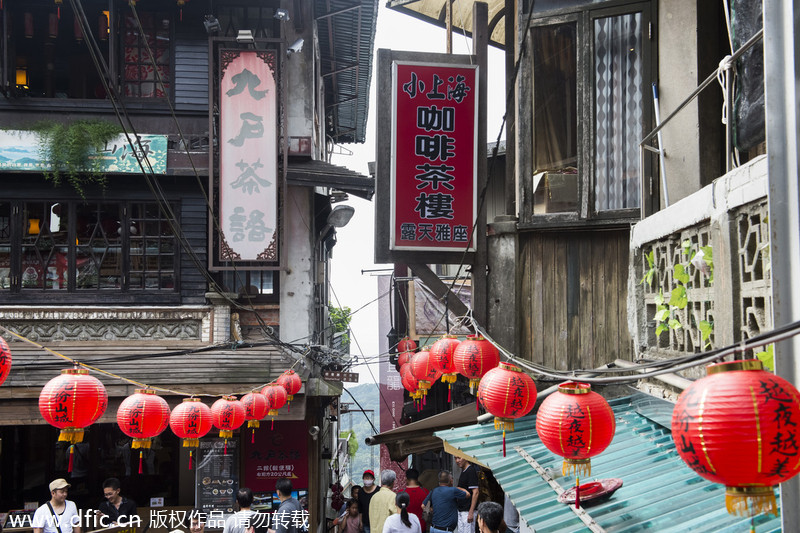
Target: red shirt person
(416,493)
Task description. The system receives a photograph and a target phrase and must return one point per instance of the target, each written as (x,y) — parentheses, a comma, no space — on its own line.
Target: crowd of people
(449,508)
(60,515)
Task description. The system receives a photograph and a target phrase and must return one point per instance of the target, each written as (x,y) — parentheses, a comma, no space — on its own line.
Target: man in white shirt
(59,515)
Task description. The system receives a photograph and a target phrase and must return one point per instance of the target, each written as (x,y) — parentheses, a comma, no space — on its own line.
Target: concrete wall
(297,280)
(677,77)
(299,69)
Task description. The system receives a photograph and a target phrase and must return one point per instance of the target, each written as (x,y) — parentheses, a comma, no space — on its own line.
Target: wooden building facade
(125,274)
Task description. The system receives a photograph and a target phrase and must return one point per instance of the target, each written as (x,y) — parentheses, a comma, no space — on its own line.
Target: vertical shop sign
(434,156)
(248,168)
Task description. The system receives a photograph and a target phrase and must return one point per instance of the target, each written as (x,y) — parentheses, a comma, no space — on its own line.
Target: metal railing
(726,64)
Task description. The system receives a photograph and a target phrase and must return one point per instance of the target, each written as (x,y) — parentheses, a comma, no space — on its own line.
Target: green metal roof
(659,492)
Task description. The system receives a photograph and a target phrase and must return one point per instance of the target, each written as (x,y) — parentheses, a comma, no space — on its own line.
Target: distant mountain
(27,160)
(367,396)
(3,159)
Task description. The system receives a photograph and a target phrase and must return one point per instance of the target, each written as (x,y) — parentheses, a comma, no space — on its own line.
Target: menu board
(217,474)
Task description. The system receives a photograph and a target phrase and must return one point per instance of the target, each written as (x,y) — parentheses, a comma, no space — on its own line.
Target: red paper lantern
(576,424)
(737,426)
(255,408)
(403,358)
(227,414)
(142,416)
(424,371)
(474,357)
(276,398)
(290,381)
(190,421)
(5,360)
(73,401)
(442,358)
(410,382)
(508,393)
(406,344)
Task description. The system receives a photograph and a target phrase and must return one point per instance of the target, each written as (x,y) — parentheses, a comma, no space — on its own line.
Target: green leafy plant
(666,315)
(352,441)
(66,149)
(340,320)
(767,357)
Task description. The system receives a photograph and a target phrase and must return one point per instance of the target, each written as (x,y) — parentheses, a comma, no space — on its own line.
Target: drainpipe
(781,72)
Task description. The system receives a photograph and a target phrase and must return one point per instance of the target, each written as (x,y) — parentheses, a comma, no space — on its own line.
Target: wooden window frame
(585,215)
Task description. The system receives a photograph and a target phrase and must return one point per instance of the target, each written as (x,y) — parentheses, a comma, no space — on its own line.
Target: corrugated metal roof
(659,492)
(346,30)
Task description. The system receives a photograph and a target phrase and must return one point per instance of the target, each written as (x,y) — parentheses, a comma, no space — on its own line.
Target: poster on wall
(217,476)
(271,454)
(433,156)
(248,156)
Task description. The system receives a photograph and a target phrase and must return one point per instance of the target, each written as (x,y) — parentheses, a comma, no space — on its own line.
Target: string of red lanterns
(423,369)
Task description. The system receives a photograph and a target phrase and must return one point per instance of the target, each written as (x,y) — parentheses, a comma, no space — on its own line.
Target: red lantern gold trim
(737,426)
(576,424)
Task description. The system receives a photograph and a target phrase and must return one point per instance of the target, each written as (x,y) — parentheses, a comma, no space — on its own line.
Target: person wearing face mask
(368,490)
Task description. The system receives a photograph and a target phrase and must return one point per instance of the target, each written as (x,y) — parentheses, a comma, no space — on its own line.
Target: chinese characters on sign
(434,156)
(248,188)
(275,454)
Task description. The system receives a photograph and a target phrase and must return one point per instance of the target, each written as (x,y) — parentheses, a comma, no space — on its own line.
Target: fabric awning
(434,12)
(311,173)
(418,437)
(659,492)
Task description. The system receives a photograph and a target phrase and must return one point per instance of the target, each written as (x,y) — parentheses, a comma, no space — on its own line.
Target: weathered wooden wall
(572,299)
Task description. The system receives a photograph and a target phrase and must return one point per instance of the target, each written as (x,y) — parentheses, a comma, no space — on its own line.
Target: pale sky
(354,250)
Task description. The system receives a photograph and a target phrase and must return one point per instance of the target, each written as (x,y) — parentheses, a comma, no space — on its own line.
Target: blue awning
(659,492)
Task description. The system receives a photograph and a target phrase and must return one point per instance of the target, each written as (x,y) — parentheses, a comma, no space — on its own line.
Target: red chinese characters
(738,426)
(434,154)
(576,424)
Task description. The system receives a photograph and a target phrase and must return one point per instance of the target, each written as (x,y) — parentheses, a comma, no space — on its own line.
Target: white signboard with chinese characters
(248,166)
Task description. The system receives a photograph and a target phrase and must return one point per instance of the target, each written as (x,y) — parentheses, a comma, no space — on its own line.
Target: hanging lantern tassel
(272,424)
(252,436)
(191,453)
(504,424)
(579,467)
(71,457)
(225,448)
(750,501)
(577,493)
(140,460)
(71,435)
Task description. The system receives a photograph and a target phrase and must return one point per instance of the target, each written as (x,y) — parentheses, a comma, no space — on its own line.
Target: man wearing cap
(368,490)
(59,515)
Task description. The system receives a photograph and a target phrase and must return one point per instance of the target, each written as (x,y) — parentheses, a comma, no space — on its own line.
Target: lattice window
(755,303)
(700,307)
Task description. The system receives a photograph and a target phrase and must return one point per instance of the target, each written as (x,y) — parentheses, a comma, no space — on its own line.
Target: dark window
(590,76)
(146,54)
(83,246)
(46,53)
(258,285)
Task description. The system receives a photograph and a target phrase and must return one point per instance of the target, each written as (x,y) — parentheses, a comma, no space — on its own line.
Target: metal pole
(781,72)
(660,147)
